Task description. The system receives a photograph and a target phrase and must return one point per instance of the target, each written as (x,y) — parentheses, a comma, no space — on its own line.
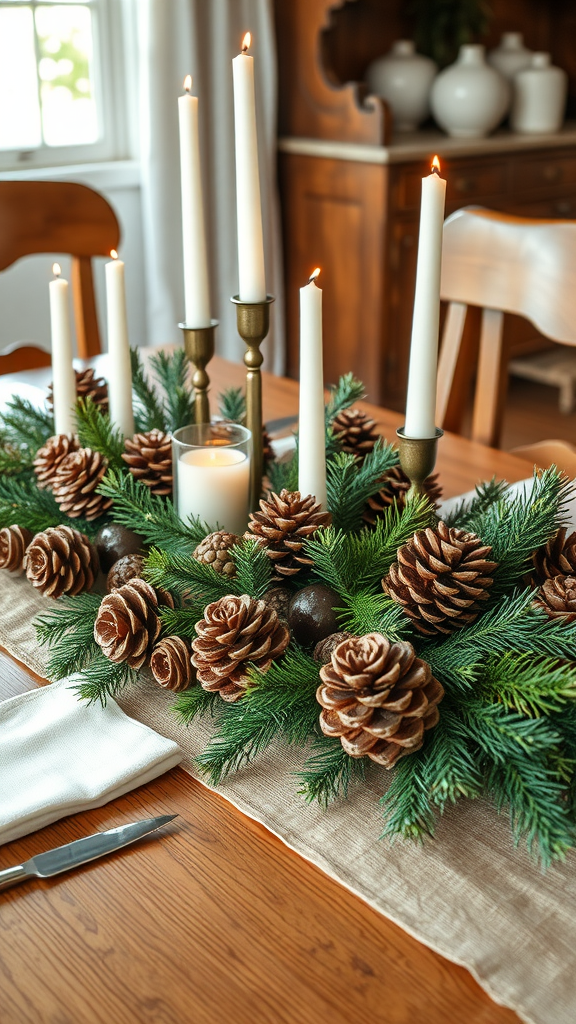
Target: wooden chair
(502,264)
(57,217)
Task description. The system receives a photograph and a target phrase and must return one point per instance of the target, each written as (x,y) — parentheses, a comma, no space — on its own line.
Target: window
(58,81)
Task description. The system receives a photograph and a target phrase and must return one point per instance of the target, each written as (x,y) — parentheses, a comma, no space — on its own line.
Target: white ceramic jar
(539,98)
(403,78)
(470,98)
(511,55)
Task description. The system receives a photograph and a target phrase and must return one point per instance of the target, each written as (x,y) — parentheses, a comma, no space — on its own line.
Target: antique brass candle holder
(199,346)
(253,322)
(417,458)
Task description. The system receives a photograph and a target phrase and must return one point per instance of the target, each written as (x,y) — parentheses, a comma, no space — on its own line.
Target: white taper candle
(119,370)
(249,208)
(196,288)
(311,430)
(64,380)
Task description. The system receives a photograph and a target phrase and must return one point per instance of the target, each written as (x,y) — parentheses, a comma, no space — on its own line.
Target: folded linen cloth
(59,756)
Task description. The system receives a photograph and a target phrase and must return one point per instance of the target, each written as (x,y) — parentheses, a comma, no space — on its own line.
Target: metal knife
(63,858)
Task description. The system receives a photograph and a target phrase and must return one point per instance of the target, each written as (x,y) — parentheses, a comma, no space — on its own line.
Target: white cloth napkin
(59,756)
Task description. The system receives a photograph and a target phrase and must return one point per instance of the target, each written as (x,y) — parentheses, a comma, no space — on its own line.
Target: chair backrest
(60,217)
(503,264)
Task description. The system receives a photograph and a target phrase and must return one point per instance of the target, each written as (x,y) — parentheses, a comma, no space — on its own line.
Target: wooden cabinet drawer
(543,173)
(465,182)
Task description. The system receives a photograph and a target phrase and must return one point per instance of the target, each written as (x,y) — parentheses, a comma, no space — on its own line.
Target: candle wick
(435,170)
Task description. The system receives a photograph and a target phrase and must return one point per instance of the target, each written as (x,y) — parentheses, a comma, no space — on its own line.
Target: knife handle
(11,876)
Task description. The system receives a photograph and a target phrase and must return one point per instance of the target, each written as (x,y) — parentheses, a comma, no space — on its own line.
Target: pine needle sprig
(197,701)
(182,621)
(502,734)
(342,395)
(96,431)
(349,484)
(283,475)
(102,679)
(232,405)
(14,461)
(171,371)
(186,576)
(254,570)
(451,770)
(148,411)
(369,612)
(25,425)
(529,685)
(468,510)
(69,631)
(407,808)
(329,772)
(150,515)
(22,503)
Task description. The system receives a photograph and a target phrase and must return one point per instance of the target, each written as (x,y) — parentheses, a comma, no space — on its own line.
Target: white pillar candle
(214,484)
(64,380)
(249,208)
(119,370)
(311,431)
(196,290)
(421,398)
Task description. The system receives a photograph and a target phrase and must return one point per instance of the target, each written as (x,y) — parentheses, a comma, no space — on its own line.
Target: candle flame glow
(246,42)
(436,165)
(314,275)
(56,269)
(113,254)
(188,83)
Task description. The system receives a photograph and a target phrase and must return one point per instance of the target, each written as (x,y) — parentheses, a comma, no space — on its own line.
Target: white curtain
(200,37)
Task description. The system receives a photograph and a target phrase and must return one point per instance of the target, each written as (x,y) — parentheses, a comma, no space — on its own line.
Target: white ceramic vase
(539,97)
(403,78)
(511,55)
(470,98)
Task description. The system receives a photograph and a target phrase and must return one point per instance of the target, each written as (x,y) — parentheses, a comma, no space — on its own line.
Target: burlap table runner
(468,894)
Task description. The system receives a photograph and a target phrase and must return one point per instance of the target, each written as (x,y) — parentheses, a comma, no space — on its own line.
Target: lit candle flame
(56,269)
(188,83)
(113,254)
(435,166)
(314,275)
(246,42)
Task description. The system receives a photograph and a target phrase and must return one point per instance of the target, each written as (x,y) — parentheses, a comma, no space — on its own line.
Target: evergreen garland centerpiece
(438,652)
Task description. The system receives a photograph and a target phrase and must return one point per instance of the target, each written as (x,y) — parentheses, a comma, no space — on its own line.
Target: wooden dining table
(214,919)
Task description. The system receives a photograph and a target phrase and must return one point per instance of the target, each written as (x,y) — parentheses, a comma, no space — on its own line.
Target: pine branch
(503,735)
(329,772)
(24,425)
(450,769)
(148,411)
(347,391)
(150,515)
(408,811)
(187,576)
(171,371)
(14,461)
(23,504)
(531,686)
(283,474)
(350,484)
(232,405)
(196,701)
(367,612)
(254,570)
(68,629)
(182,621)
(96,431)
(102,679)
(467,511)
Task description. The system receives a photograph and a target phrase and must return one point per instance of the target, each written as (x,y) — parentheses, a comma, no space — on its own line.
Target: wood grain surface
(214,919)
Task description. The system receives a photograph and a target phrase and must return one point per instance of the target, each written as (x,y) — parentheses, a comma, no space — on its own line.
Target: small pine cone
(87,386)
(170,663)
(234,633)
(395,488)
(556,558)
(440,578)
(127,624)
(325,648)
(355,432)
(127,568)
(61,560)
(558,598)
(284,522)
(50,457)
(75,483)
(149,459)
(378,698)
(13,543)
(214,550)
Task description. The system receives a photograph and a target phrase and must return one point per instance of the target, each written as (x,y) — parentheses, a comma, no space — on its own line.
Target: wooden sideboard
(350,194)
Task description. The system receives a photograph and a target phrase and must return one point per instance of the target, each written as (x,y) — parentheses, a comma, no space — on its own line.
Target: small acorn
(114,541)
(311,614)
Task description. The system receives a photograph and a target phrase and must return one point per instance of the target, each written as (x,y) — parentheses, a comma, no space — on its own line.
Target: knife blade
(72,855)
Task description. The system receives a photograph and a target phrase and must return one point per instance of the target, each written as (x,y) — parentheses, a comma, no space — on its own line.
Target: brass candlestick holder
(199,346)
(253,322)
(417,458)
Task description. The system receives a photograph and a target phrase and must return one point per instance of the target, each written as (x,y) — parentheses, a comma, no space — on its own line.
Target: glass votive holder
(212,474)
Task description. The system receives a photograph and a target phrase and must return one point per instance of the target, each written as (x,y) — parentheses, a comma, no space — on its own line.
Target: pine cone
(440,577)
(355,432)
(149,459)
(558,598)
(214,551)
(236,632)
(75,483)
(282,526)
(170,663)
(13,543)
(325,648)
(127,568)
(50,457)
(127,624)
(61,560)
(556,558)
(394,488)
(87,386)
(378,698)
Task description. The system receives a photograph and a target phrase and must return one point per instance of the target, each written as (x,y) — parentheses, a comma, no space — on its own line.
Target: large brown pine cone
(50,457)
(88,385)
(13,543)
(394,489)
(170,663)
(214,550)
(284,522)
(558,598)
(556,558)
(440,578)
(355,432)
(75,483)
(149,459)
(127,624)
(61,560)
(234,633)
(378,698)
